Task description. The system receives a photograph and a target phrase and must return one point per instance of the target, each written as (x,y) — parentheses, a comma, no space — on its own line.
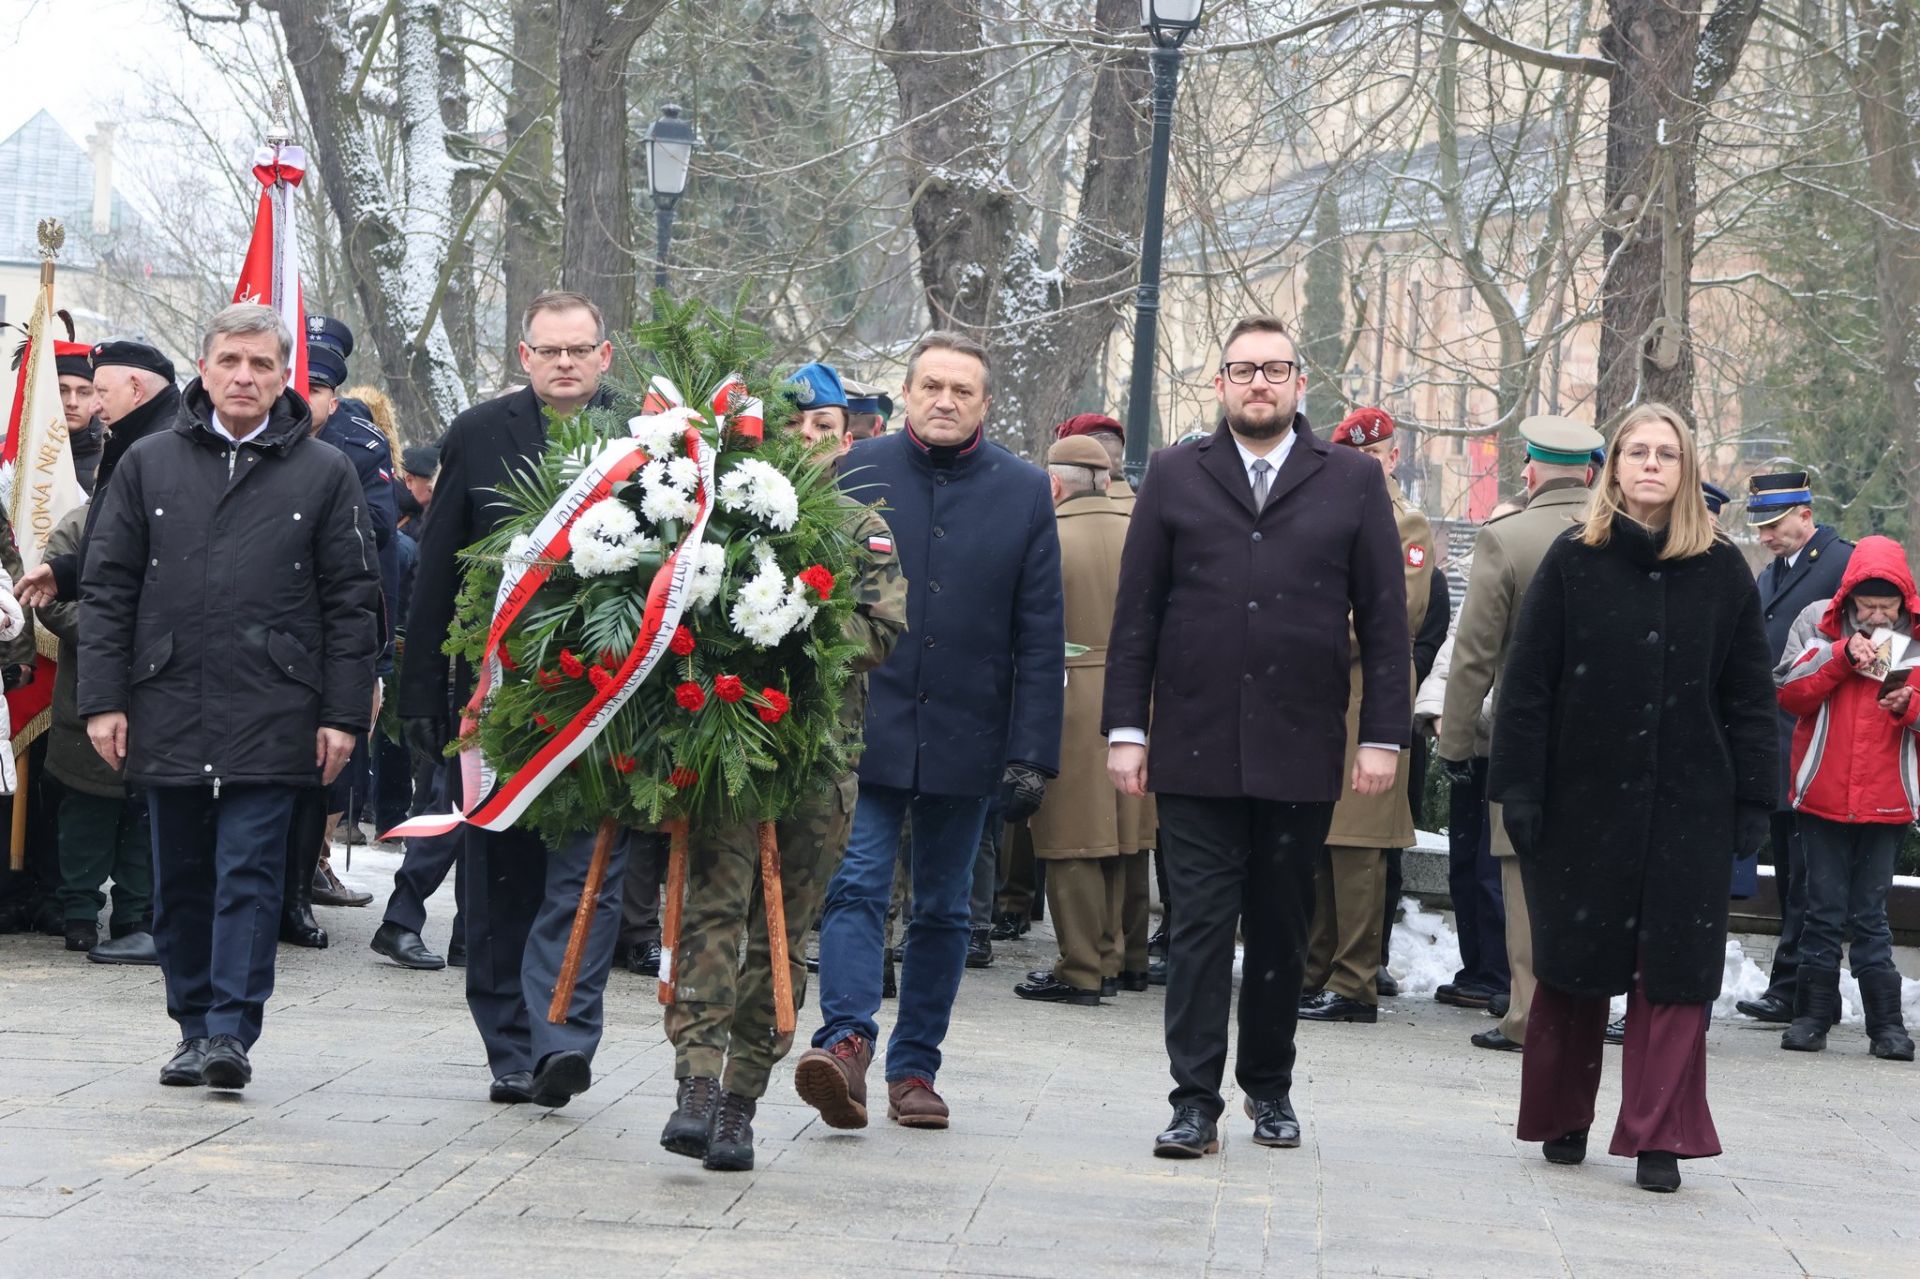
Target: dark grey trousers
(1849,874)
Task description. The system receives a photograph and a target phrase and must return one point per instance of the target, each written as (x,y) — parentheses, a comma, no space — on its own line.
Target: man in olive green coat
(1350,883)
(1506,554)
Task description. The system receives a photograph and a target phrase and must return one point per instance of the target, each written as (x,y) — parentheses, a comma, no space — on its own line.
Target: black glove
(1458,771)
(1523,821)
(16,676)
(1022,788)
(427,735)
(1752,826)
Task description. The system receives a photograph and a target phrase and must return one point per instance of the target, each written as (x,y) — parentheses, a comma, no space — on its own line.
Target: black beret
(133,355)
(421,460)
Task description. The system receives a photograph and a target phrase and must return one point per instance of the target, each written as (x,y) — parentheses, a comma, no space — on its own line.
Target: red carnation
(690,696)
(572,665)
(682,641)
(548,679)
(775,705)
(541,720)
(599,678)
(625,763)
(819,579)
(506,657)
(610,659)
(728,688)
(682,778)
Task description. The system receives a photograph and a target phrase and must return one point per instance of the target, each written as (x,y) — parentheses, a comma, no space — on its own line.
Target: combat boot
(1886,1029)
(692,1118)
(1816,1006)
(730,1141)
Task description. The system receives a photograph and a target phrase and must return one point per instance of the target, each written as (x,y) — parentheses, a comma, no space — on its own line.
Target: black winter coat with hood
(229,601)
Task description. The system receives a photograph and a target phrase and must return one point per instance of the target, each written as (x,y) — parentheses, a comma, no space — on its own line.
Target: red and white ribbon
(494,803)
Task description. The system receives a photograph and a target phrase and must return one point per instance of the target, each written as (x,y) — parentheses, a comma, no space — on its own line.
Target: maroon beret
(1087,424)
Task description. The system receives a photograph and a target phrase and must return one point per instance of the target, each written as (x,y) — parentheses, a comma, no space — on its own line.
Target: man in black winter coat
(227,641)
(518,896)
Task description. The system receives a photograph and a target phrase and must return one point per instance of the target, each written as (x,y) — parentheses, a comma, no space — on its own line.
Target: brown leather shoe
(912,1103)
(328,890)
(833,1081)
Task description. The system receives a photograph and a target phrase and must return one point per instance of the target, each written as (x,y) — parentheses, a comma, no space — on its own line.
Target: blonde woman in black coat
(1635,755)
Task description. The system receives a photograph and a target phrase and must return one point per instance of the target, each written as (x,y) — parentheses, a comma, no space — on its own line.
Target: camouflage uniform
(721,1020)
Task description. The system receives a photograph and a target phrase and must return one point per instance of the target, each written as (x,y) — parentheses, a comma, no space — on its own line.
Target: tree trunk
(457,306)
(978,270)
(595,38)
(532,242)
(1879,75)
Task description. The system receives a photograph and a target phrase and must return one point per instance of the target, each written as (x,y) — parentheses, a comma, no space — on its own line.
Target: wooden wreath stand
(776,912)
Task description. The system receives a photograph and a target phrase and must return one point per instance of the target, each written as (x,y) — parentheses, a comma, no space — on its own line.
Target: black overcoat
(1230,626)
(229,601)
(1637,707)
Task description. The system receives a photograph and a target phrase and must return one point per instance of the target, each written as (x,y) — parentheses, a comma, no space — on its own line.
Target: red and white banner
(36,463)
(271,273)
(494,803)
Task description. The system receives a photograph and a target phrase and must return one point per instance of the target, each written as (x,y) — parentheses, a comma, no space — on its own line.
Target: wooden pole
(776,897)
(583,922)
(17,853)
(676,898)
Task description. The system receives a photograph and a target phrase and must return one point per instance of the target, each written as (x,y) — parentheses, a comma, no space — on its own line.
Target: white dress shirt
(221,427)
(1278,457)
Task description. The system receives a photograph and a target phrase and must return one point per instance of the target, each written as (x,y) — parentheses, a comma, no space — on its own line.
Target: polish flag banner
(271,273)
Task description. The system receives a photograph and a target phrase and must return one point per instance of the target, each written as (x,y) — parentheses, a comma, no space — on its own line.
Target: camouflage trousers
(721,1020)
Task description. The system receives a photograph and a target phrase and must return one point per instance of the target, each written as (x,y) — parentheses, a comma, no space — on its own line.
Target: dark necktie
(1779,572)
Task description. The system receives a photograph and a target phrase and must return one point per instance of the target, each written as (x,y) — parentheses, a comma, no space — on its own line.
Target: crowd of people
(1231,681)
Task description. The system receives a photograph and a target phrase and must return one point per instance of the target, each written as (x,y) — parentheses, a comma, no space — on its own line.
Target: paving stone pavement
(366,1146)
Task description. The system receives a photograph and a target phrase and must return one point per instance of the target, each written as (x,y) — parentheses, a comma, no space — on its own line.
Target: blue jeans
(946,839)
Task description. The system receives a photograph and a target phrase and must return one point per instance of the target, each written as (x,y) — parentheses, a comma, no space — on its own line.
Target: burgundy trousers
(1663,1086)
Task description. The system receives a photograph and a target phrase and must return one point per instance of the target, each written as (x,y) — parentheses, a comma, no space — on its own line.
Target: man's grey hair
(248,318)
(1076,479)
(948,340)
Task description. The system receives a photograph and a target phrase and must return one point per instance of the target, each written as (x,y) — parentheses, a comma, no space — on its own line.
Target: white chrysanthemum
(761,491)
(708,563)
(661,435)
(652,476)
(608,520)
(520,548)
(592,558)
(684,473)
(668,505)
(764,610)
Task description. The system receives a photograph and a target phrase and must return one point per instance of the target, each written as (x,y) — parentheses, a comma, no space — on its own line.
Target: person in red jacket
(1856,788)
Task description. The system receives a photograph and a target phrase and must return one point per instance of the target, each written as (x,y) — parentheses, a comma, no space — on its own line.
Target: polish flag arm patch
(880,545)
(1416,556)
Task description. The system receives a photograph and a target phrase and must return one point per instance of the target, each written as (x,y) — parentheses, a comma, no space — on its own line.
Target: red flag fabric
(270,275)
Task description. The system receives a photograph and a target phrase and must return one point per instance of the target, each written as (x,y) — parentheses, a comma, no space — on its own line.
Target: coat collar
(956,458)
(1086,504)
(289,421)
(527,422)
(1220,458)
(1810,554)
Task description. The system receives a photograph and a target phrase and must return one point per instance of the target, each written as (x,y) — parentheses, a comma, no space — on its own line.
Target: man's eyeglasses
(1241,372)
(579,354)
(1639,453)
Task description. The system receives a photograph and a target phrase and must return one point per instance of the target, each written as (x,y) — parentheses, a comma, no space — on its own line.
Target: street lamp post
(670,143)
(1169,22)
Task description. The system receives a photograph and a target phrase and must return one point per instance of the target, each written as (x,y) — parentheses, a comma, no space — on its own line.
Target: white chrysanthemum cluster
(771,605)
(709,564)
(666,500)
(762,492)
(606,539)
(662,435)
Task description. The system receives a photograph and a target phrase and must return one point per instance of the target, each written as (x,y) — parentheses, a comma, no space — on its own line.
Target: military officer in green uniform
(721,1023)
(1505,556)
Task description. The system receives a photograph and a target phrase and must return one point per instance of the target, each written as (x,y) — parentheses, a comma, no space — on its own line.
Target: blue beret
(325,366)
(324,330)
(817,386)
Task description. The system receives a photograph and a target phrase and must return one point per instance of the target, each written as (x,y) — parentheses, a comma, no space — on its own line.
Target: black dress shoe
(404,947)
(1189,1136)
(456,954)
(1109,987)
(1327,1006)
(562,1076)
(134,948)
(1385,986)
(691,1123)
(1767,1008)
(188,1068)
(979,949)
(730,1143)
(1570,1149)
(227,1065)
(512,1088)
(1497,1040)
(645,959)
(1135,980)
(1498,1005)
(1157,944)
(1046,988)
(1157,970)
(82,934)
(1617,1031)
(1657,1171)
(1462,996)
(1010,924)
(1274,1123)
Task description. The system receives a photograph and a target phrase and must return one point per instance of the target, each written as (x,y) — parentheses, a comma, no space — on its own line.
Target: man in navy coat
(1809,560)
(1227,675)
(968,706)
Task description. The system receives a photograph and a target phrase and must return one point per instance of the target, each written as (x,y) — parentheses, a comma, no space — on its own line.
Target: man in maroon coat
(1247,552)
